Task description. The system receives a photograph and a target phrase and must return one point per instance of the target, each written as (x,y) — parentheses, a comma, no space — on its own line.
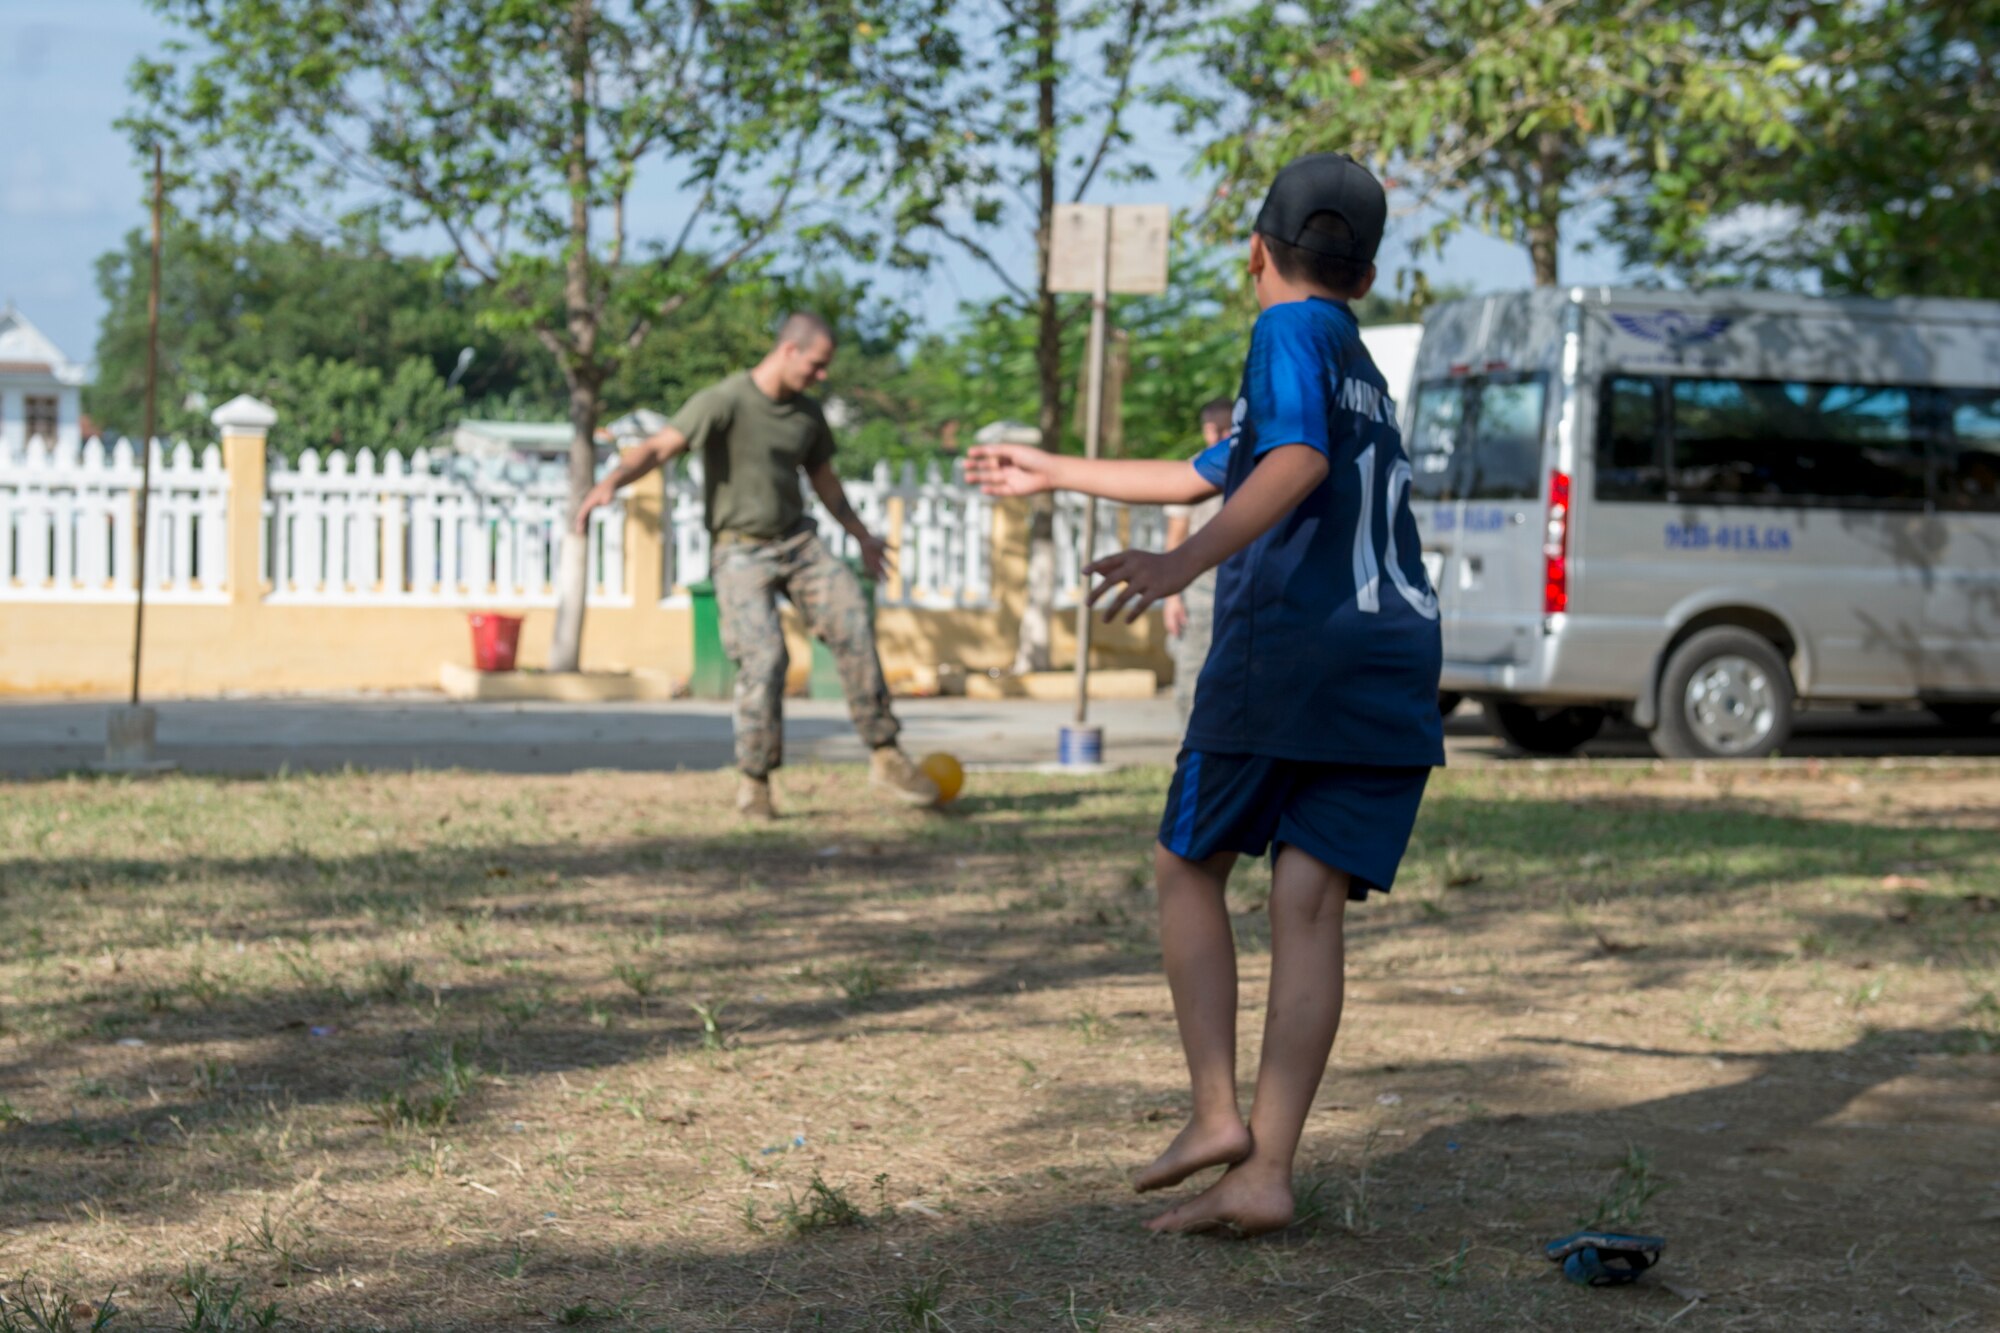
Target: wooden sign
(1139,248)
(1127,243)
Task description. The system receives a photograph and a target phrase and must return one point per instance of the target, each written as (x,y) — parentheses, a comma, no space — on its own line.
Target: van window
(1968,476)
(1768,442)
(1629,466)
(1507,454)
(1437,426)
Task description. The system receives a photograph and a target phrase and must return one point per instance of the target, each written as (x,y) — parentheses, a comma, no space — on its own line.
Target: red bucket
(495,638)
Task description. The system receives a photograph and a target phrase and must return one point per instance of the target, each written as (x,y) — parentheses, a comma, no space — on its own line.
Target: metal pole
(1093,425)
(152,418)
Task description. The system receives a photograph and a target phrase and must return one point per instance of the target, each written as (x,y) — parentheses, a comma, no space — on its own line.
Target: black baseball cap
(1326,183)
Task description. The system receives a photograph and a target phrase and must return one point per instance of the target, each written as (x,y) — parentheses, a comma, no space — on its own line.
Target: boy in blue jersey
(1316,723)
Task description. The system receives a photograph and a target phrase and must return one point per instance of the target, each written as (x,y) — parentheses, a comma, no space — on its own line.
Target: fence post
(646,502)
(245,423)
(1013,522)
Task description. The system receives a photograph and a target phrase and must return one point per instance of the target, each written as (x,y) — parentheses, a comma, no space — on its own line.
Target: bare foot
(1195,1148)
(1247,1201)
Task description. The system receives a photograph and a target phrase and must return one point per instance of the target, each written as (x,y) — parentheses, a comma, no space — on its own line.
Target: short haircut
(1295,263)
(1218,412)
(802,328)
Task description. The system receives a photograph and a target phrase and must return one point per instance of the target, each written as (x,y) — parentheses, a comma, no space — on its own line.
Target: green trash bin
(825,680)
(713,675)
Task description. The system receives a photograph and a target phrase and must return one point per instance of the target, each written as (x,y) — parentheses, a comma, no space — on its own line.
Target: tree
(1888,185)
(519,129)
(1047,120)
(1512,113)
(244,315)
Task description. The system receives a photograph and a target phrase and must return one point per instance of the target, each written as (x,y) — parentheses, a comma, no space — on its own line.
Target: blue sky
(70,189)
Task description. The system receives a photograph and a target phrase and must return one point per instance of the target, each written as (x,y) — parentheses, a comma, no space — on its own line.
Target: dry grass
(466,1052)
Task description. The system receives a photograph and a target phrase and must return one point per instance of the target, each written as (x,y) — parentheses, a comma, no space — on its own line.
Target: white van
(1696,511)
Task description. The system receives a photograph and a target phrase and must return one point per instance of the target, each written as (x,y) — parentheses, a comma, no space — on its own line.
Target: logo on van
(1673,328)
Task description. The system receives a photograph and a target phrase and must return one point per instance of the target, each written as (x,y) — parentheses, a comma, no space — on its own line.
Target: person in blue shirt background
(1315,723)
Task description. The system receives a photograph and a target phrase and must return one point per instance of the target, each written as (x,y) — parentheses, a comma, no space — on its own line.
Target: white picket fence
(398,531)
(67,517)
(1147,532)
(401,530)
(944,538)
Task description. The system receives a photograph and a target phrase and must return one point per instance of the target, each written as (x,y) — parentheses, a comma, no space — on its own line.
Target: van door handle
(1476,563)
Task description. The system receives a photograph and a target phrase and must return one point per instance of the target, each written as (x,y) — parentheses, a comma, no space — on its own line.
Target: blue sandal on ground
(1604,1258)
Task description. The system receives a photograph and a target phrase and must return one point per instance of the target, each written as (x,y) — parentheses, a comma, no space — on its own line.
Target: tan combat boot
(753,799)
(891,770)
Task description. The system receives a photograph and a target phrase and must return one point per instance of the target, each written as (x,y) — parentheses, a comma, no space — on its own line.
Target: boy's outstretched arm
(1282,478)
(1021,469)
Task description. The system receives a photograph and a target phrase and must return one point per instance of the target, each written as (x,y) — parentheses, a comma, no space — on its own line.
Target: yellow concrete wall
(251,644)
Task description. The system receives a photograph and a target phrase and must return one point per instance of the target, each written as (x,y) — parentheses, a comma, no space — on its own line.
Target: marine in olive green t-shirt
(752,448)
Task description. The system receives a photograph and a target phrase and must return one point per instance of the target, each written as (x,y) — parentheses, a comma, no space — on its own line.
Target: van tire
(1966,719)
(1448,702)
(1738,657)
(1546,730)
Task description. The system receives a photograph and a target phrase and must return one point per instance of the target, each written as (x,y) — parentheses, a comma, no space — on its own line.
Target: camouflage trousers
(749,576)
(1191,649)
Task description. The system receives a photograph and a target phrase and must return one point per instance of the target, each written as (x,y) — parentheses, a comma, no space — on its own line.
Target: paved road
(399,732)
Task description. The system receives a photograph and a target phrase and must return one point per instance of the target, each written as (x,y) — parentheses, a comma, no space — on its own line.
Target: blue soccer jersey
(1326,644)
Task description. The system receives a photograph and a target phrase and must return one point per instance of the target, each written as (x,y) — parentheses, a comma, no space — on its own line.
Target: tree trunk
(1545,213)
(1032,649)
(573,564)
(573,568)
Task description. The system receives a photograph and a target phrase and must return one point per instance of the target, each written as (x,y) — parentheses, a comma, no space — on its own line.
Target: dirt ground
(449,1051)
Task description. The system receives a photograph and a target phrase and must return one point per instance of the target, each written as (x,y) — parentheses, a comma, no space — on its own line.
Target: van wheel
(1546,730)
(1448,702)
(1726,694)
(1965,719)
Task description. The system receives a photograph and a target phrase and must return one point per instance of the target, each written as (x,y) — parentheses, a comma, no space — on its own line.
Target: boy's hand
(1010,469)
(1147,575)
(1174,612)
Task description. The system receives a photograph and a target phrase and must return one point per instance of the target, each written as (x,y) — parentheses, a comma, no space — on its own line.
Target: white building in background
(1393,348)
(38,386)
(519,452)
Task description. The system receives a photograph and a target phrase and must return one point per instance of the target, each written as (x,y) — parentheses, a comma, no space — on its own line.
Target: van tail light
(1555,548)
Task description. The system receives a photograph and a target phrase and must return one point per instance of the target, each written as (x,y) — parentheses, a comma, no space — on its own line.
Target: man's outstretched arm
(656,450)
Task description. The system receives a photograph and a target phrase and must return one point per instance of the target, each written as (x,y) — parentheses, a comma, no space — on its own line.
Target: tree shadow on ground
(1809,1189)
(993,916)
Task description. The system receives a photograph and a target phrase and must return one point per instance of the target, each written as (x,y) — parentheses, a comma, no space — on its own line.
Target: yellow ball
(947,772)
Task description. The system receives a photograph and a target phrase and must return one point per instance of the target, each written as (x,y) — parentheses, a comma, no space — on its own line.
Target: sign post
(1100,249)
(129,732)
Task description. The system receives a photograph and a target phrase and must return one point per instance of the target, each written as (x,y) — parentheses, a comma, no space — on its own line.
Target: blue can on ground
(1079,746)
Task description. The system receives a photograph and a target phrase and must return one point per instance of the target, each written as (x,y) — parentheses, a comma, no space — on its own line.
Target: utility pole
(130,731)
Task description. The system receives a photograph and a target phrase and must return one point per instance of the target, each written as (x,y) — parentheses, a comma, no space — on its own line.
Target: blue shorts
(1353,817)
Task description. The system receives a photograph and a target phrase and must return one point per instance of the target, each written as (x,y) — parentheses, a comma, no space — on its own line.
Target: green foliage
(432,1094)
(266,315)
(1183,348)
(1887,189)
(919,1301)
(1510,114)
(824,1208)
(1046,119)
(1632,1187)
(211,1307)
(518,128)
(354,345)
(326,404)
(32,1307)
